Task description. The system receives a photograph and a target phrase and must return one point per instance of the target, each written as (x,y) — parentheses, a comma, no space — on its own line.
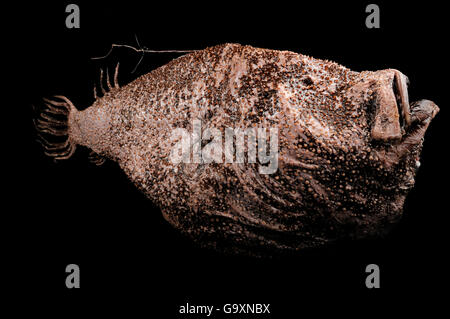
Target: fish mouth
(395,116)
(413,118)
(399,126)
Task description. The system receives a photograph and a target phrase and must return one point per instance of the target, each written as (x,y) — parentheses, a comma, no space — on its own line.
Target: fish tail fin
(52,127)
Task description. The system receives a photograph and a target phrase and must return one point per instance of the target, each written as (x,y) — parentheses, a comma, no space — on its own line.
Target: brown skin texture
(349,145)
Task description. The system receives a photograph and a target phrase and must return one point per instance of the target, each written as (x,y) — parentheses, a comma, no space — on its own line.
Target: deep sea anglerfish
(348,145)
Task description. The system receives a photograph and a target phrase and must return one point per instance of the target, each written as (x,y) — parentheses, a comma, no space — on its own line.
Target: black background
(130,258)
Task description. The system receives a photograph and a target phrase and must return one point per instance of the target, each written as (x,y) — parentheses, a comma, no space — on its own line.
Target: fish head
(358,145)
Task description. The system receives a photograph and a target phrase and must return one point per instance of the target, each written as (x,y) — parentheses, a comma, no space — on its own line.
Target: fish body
(346,148)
